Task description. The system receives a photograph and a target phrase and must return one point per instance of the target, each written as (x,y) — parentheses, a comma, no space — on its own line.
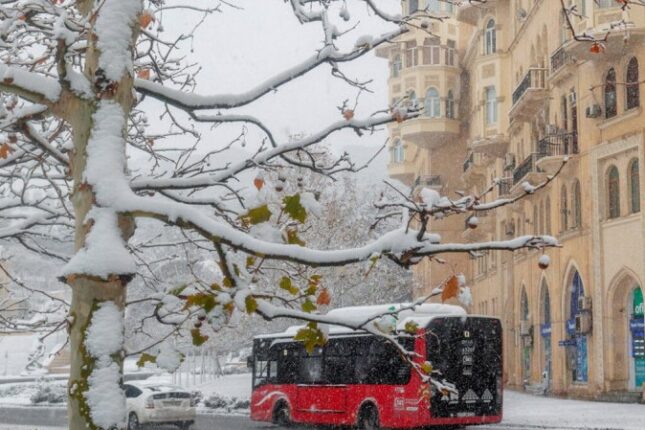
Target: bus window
(288,363)
(381,363)
(311,367)
(339,361)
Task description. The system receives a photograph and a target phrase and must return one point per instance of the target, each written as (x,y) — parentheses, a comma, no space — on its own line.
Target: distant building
(508,93)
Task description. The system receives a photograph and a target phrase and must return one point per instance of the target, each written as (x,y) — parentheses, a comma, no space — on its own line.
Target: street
(54,419)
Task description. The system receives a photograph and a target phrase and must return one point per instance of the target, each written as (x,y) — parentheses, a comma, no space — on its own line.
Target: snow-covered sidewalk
(528,411)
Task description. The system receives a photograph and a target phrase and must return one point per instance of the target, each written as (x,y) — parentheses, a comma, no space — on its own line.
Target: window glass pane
(610,94)
(635,187)
(632,86)
(613,190)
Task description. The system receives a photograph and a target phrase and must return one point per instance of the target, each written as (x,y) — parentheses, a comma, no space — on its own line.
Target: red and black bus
(362,380)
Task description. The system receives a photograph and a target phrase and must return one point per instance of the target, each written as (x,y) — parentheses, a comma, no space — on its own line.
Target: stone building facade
(510,94)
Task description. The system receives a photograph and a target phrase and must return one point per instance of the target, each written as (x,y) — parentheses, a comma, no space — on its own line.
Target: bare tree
(77,79)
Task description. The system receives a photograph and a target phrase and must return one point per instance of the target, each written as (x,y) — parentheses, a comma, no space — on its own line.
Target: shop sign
(567,342)
(545,329)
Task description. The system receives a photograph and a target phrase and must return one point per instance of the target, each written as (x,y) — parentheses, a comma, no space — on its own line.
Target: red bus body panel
(399,406)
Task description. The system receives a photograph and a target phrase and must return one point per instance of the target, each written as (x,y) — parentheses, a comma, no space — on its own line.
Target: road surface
(54,419)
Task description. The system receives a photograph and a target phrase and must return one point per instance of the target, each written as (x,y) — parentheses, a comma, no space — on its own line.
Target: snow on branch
(188,101)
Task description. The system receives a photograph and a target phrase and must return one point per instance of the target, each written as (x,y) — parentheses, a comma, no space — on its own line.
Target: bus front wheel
(281,415)
(368,418)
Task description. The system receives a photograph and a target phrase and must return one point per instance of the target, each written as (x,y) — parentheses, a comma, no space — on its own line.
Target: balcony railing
(558,145)
(559,58)
(527,166)
(534,79)
(433,181)
(504,186)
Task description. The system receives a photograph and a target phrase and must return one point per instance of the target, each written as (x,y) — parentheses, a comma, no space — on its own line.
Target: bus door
(317,391)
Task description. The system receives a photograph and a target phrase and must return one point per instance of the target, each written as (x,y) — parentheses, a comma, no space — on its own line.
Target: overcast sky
(239,49)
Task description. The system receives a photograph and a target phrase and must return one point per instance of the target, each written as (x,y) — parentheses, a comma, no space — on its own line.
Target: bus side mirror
(249,362)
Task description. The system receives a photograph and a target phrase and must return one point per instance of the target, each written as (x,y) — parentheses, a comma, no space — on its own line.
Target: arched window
(579,363)
(396,66)
(490,38)
(610,93)
(546,304)
(577,205)
(634,187)
(491,105)
(524,305)
(564,209)
(547,209)
(632,86)
(398,152)
(613,193)
(413,6)
(433,103)
(450,105)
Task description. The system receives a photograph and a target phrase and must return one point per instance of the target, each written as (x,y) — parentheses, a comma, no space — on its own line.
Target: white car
(158,404)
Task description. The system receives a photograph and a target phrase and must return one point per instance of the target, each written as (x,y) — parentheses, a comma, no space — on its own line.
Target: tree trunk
(90,291)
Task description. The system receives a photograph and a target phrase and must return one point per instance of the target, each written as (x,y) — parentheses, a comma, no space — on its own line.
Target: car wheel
(282,416)
(133,421)
(368,419)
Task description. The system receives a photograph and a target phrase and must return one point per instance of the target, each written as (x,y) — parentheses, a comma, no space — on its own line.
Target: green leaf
(411,327)
(227,282)
(311,289)
(258,215)
(251,304)
(202,300)
(146,358)
(293,239)
(250,261)
(311,337)
(286,284)
(308,306)
(294,209)
(198,338)
(178,290)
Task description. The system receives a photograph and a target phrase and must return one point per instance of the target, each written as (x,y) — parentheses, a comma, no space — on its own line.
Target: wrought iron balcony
(526,167)
(529,94)
(560,58)
(558,145)
(552,150)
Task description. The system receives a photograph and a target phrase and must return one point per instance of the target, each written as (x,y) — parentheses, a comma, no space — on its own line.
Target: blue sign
(571,326)
(545,329)
(637,326)
(567,342)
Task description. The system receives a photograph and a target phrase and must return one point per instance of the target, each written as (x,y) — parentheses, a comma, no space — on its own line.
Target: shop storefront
(576,342)
(637,339)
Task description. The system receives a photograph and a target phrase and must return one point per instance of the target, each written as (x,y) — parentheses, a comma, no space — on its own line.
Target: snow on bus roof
(355,315)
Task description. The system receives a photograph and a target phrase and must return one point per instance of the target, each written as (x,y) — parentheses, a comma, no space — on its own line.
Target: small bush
(49,393)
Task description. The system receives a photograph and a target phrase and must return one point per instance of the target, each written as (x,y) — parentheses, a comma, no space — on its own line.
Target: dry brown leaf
(450,289)
(324,297)
(258,182)
(5,150)
(143,74)
(348,114)
(145,19)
